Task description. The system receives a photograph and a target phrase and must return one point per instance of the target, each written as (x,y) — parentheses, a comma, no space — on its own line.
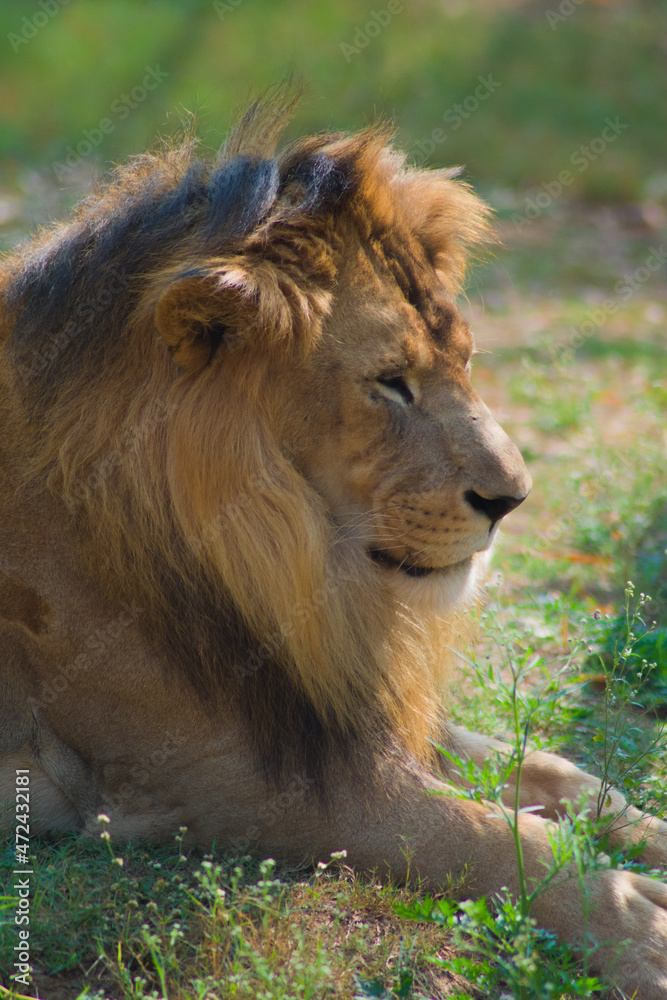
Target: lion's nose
(493,507)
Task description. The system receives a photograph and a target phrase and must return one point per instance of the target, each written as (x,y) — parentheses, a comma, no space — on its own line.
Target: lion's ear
(192,316)
(231,301)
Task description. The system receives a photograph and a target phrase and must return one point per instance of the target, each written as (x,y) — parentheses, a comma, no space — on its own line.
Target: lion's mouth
(383,558)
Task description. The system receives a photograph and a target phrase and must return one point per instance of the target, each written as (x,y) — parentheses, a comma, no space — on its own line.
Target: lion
(247,492)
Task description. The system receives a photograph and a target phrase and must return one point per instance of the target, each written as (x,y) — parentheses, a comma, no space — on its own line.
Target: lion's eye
(397,388)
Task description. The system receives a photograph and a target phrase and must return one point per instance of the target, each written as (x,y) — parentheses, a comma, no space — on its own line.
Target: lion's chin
(437,591)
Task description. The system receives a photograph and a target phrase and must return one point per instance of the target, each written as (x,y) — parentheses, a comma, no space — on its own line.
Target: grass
(166,924)
(555,651)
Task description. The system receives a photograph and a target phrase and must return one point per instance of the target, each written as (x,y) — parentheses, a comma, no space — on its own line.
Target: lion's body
(245,488)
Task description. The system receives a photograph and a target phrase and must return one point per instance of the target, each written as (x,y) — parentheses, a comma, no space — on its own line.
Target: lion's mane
(183,498)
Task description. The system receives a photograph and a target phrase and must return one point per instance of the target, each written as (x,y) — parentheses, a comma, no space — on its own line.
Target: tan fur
(243,506)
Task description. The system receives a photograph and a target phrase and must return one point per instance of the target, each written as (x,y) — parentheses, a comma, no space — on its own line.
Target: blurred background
(511,89)
(557,111)
(546,103)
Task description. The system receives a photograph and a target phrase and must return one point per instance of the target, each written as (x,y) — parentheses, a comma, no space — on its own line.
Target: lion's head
(249,383)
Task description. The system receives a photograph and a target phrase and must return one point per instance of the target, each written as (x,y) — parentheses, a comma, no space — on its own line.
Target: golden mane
(186,500)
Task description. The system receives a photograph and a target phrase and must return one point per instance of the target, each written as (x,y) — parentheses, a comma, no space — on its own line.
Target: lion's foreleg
(434,836)
(551,781)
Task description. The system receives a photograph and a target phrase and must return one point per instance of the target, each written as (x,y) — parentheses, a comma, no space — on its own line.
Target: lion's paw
(629,922)
(649,832)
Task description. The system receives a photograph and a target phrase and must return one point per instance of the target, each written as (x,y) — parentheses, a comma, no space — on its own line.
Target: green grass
(166,924)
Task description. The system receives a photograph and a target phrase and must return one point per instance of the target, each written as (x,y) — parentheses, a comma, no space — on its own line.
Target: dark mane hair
(113,425)
(154,209)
